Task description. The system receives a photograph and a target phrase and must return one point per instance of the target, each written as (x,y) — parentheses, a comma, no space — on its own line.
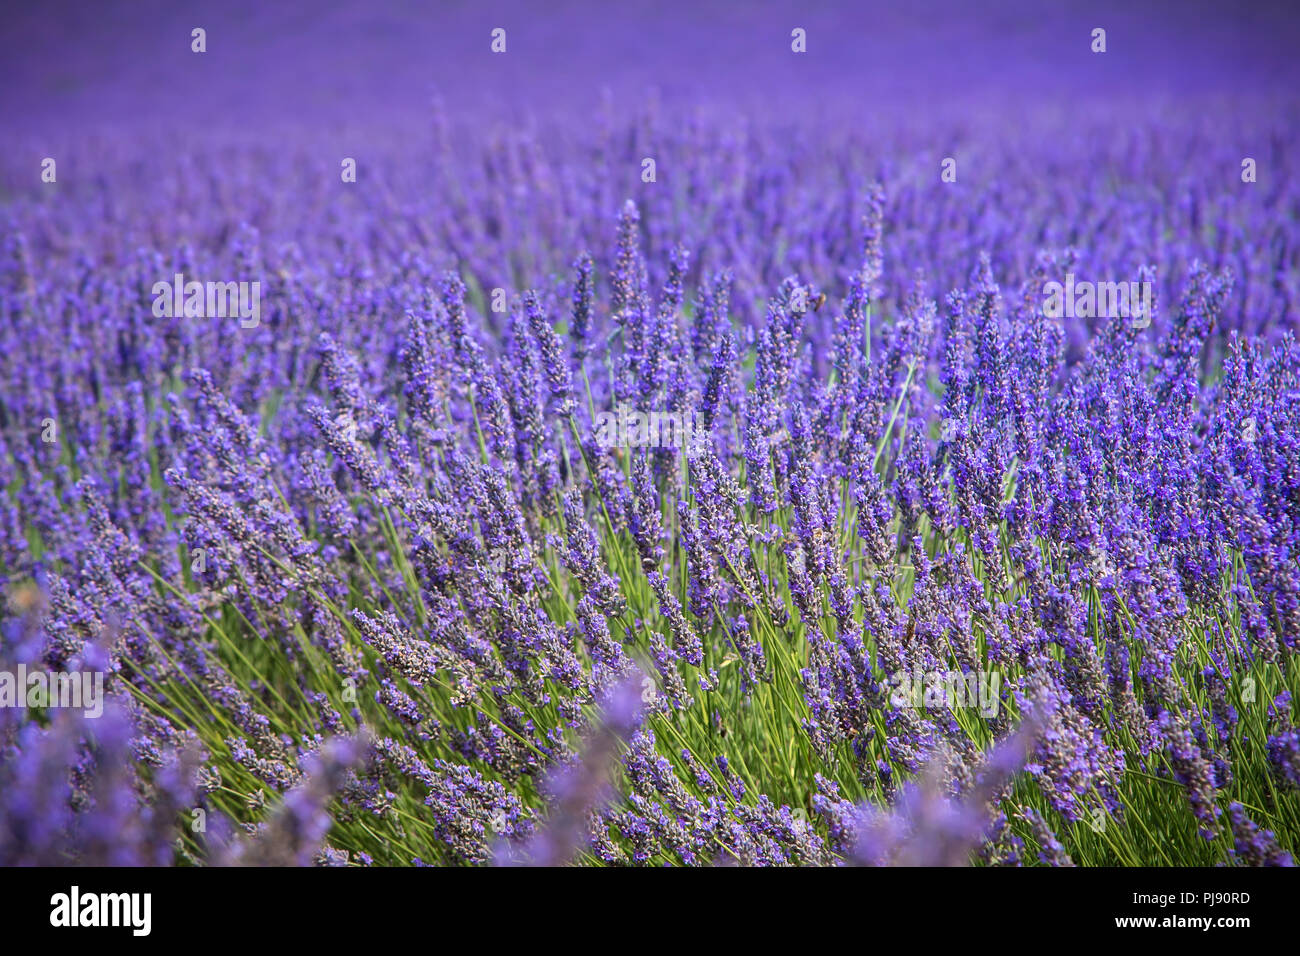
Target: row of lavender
(371,578)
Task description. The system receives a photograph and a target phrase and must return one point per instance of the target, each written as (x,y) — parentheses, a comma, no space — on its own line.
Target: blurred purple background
(65,66)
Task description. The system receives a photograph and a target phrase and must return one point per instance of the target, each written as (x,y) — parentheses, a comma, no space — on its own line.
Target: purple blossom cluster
(367,584)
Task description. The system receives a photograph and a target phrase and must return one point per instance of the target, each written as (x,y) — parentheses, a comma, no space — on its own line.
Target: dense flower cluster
(368,585)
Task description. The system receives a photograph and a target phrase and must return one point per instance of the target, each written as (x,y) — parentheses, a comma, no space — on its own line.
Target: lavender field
(686,434)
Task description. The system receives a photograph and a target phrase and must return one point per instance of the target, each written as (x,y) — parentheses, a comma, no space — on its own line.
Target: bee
(818,302)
